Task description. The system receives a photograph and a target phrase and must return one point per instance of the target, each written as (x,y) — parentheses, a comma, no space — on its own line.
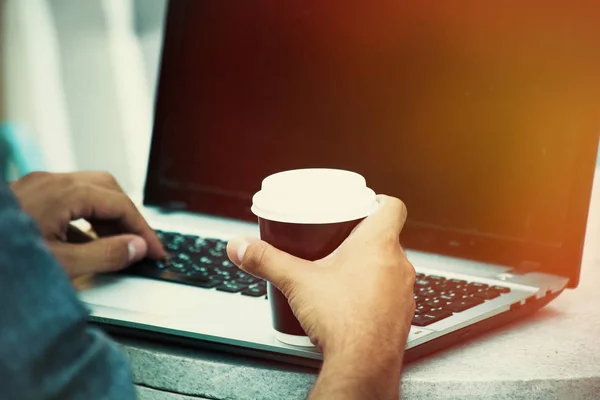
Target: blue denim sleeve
(47,349)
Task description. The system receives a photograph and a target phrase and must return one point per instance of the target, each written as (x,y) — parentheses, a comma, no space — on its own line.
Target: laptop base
(428,348)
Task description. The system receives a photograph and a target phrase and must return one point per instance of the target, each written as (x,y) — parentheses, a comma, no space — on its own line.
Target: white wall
(80,75)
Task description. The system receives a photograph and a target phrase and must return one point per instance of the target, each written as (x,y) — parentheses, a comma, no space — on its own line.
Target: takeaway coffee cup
(308,213)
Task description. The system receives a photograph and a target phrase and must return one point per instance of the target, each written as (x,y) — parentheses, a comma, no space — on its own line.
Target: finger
(384,224)
(95,202)
(265,261)
(389,217)
(107,181)
(101,255)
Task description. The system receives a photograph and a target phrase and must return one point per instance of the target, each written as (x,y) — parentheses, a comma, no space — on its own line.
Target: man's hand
(356,304)
(54,200)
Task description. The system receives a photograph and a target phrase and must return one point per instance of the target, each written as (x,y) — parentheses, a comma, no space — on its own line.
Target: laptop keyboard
(437,298)
(200,262)
(203,262)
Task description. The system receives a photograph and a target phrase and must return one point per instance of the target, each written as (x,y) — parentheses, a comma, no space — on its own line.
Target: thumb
(265,261)
(102,255)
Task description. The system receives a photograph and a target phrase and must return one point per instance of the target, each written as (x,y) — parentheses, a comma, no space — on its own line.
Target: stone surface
(554,354)
(214,375)
(145,393)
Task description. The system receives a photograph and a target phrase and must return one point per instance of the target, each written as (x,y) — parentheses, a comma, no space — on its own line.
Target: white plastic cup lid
(314,196)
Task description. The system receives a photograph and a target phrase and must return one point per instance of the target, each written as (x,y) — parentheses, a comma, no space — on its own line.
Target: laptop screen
(483,119)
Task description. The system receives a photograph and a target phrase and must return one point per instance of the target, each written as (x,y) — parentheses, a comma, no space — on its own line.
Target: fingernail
(137,249)
(238,250)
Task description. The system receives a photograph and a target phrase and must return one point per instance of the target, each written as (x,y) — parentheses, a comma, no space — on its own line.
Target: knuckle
(66,181)
(107,178)
(78,194)
(79,190)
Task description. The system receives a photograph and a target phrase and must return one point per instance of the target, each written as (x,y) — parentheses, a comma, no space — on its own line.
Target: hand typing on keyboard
(54,200)
(356,304)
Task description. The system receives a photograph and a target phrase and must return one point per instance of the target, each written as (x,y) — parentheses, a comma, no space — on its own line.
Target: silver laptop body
(233,105)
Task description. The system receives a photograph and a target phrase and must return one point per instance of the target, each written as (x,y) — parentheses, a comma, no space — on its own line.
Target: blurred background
(77,85)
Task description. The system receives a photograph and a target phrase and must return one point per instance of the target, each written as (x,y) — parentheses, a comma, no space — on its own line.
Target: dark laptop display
(487,131)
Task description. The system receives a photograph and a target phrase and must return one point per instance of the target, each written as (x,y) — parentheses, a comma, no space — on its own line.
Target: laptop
(494,159)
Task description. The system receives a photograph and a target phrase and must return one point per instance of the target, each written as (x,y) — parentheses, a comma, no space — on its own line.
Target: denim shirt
(47,349)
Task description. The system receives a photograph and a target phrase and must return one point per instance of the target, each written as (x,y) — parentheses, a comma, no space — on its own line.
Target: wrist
(384,362)
(386,350)
(361,371)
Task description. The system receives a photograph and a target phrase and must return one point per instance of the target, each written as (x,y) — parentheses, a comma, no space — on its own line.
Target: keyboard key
(221,278)
(425,292)
(183,257)
(445,287)
(501,289)
(452,296)
(436,278)
(421,309)
(478,285)
(202,282)
(205,261)
(222,271)
(176,265)
(168,235)
(172,246)
(216,253)
(243,277)
(424,300)
(422,283)
(227,264)
(232,287)
(198,274)
(430,318)
(215,243)
(438,313)
(423,320)
(193,250)
(254,291)
(465,289)
(462,305)
(435,303)
(487,294)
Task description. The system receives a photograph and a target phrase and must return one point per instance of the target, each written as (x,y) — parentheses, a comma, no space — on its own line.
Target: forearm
(47,349)
(359,376)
